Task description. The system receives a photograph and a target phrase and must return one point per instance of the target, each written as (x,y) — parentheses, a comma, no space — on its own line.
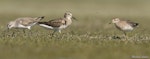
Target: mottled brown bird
(59,23)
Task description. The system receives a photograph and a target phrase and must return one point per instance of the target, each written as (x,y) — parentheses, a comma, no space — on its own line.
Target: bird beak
(7,29)
(74,18)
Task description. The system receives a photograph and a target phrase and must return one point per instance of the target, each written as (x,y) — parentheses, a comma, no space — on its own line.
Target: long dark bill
(74,18)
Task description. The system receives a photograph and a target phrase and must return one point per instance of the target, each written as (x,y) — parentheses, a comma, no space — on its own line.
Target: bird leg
(124,33)
(54,32)
(30,33)
(24,31)
(59,31)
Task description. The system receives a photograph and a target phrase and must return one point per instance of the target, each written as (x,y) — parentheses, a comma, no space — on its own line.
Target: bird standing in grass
(124,25)
(59,23)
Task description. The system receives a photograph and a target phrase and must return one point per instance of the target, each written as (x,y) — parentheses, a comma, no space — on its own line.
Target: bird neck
(68,21)
(69,18)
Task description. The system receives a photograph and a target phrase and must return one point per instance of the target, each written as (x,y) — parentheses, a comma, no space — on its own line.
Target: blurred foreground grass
(91,37)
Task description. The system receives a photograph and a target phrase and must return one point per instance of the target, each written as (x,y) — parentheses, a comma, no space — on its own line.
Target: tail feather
(135,24)
(43,17)
(42,22)
(45,24)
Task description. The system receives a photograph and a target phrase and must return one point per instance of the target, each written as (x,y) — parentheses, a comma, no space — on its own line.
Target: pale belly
(22,26)
(62,26)
(127,28)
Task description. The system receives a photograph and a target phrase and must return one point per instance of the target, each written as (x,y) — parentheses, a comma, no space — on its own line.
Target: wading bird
(24,22)
(124,25)
(59,23)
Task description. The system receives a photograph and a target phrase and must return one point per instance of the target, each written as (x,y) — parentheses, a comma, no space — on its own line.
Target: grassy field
(91,37)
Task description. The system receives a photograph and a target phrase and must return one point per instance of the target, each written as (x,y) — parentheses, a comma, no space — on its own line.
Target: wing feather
(57,22)
(133,24)
(25,21)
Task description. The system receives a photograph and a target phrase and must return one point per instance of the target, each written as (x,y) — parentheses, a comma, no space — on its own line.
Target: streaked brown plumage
(55,22)
(59,23)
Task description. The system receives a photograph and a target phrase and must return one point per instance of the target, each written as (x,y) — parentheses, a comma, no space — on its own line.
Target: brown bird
(124,25)
(59,23)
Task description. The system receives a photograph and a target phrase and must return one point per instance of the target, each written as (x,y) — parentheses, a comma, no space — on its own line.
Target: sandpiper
(59,23)
(24,22)
(124,25)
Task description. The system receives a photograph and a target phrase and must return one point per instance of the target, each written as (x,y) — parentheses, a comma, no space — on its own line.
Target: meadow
(90,37)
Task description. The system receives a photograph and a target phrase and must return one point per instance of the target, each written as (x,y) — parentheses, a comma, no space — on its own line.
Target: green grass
(91,37)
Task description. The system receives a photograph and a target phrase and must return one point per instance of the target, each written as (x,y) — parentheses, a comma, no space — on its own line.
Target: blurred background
(98,10)
(79,7)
